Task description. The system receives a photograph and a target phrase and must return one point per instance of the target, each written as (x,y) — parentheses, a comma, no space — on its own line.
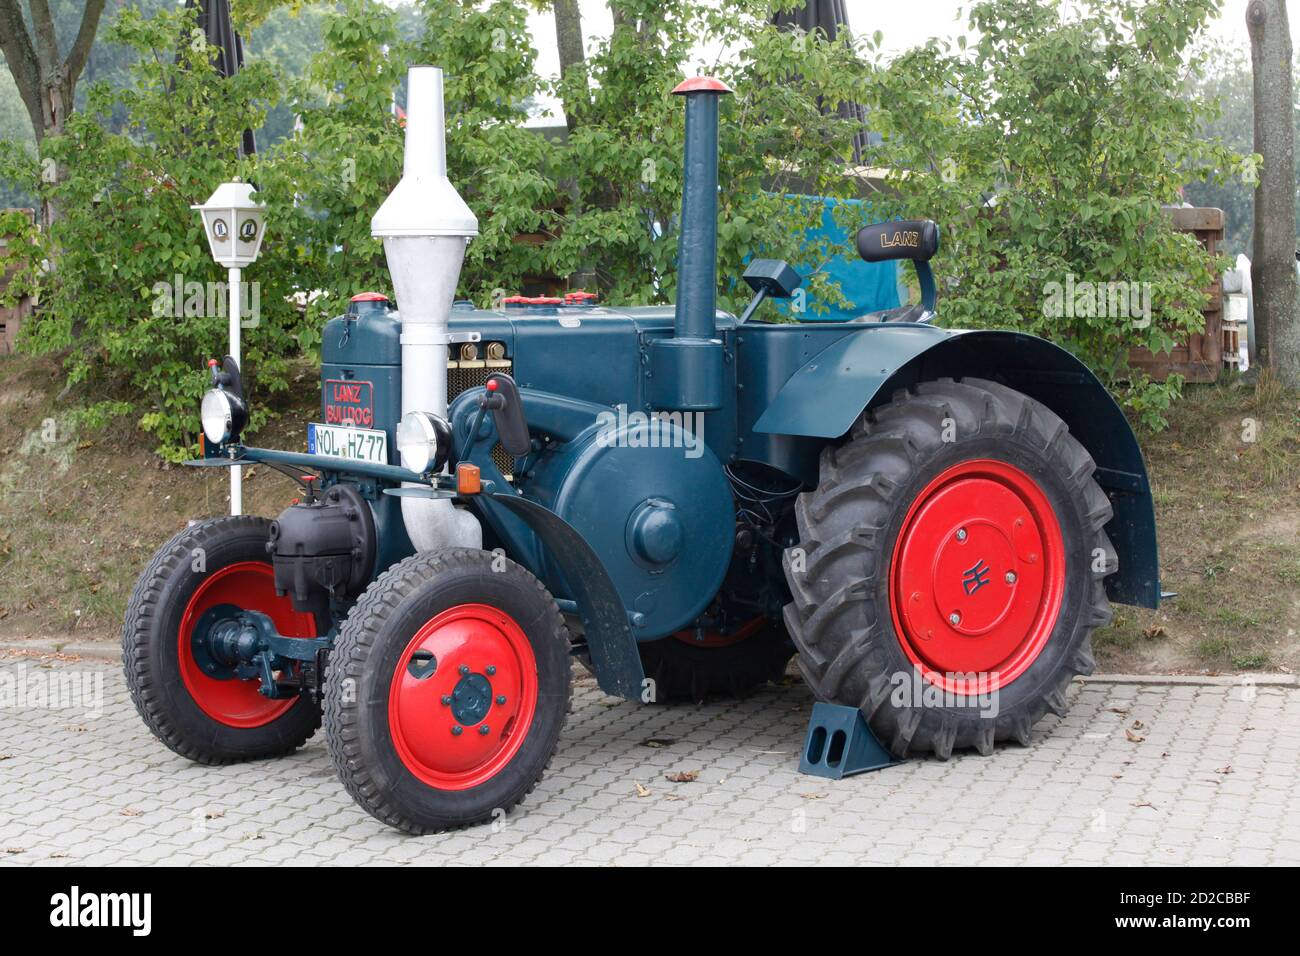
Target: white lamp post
(232,221)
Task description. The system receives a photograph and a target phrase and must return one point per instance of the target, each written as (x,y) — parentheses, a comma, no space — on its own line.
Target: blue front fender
(824,397)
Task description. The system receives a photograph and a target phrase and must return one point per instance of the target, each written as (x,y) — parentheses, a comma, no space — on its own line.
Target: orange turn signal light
(468,481)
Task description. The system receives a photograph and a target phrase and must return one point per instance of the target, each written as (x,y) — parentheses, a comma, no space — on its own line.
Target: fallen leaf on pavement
(683,776)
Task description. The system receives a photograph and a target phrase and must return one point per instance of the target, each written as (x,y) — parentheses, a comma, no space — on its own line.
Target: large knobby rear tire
(218,562)
(447,690)
(950,490)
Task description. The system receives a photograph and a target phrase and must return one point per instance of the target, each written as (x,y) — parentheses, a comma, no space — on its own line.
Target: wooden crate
(1201,358)
(11,317)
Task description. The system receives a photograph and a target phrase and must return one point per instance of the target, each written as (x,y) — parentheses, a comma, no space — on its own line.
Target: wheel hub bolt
(485,730)
(464,669)
(446,699)
(1011,577)
(961,534)
(457,730)
(501,698)
(491,669)
(954,618)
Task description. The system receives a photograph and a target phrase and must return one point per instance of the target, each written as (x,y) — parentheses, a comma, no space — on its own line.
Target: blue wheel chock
(840,744)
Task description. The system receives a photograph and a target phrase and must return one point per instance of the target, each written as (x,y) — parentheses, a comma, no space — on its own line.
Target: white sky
(904,25)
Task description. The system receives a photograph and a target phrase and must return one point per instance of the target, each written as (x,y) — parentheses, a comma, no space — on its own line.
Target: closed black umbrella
(228,48)
(830,17)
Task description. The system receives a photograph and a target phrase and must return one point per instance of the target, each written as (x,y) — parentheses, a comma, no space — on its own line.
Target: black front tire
(151,647)
(380,630)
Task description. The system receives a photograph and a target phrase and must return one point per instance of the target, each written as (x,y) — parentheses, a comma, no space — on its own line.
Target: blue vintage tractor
(679,498)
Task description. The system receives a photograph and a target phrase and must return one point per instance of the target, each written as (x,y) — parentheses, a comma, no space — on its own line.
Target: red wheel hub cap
(463,696)
(977,577)
(249,585)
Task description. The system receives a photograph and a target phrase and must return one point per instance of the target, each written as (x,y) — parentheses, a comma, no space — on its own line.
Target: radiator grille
(466,375)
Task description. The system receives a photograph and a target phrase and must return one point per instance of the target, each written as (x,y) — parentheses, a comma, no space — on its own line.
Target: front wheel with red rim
(199,707)
(448,687)
(950,569)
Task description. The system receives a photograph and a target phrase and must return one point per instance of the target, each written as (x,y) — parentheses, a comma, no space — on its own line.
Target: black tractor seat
(916,239)
(916,312)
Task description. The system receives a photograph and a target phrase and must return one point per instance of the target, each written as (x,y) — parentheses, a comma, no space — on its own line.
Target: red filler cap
(701,84)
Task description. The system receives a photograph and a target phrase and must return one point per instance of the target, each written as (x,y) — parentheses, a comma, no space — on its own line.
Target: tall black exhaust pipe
(687,368)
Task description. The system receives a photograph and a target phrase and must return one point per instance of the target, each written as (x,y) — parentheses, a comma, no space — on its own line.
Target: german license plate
(362,444)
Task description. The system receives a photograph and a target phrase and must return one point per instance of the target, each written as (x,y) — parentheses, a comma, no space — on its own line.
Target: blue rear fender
(864,369)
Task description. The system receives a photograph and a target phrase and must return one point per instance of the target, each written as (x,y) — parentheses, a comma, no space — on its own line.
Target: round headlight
(423,441)
(222,415)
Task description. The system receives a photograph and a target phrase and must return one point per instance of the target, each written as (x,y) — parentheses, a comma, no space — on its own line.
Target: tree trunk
(46,80)
(1273,267)
(568,37)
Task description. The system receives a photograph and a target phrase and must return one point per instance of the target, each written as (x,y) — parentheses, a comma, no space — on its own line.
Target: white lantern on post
(232,221)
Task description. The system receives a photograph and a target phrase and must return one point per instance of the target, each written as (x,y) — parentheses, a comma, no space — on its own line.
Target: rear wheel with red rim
(448,688)
(951,568)
(977,576)
(197,705)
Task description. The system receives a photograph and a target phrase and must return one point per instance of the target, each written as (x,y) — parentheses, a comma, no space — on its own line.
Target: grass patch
(84,502)
(1226,483)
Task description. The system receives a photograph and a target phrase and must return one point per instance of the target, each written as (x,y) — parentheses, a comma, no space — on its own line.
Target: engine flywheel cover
(659,513)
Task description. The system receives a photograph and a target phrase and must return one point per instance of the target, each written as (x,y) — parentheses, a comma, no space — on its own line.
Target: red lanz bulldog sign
(349,403)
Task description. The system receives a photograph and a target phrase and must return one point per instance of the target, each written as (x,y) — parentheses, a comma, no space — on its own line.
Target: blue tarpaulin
(869,286)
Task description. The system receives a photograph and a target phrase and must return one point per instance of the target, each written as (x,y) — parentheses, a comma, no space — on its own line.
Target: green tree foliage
(127,230)
(1033,149)
(1045,149)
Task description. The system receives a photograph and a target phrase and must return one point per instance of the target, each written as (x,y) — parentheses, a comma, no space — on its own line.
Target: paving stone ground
(1212,780)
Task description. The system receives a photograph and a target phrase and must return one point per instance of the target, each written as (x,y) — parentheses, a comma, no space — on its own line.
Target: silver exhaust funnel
(425,226)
